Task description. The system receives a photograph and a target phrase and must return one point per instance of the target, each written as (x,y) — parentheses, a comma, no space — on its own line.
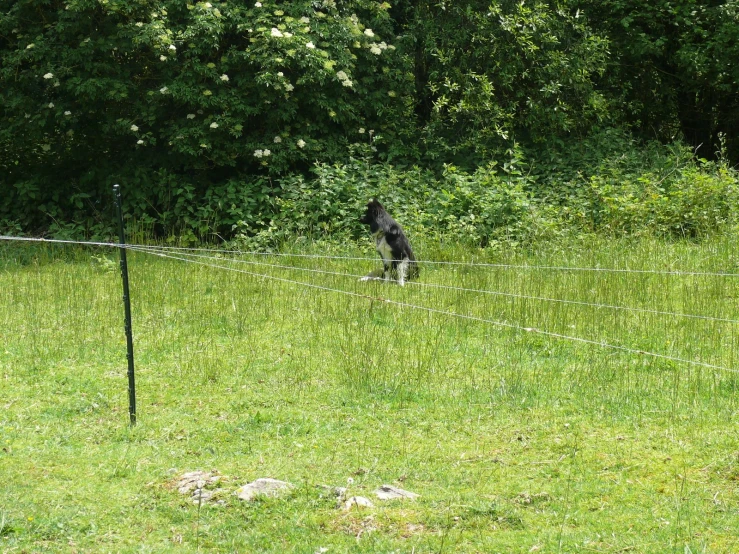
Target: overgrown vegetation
(651,192)
(516,441)
(214,116)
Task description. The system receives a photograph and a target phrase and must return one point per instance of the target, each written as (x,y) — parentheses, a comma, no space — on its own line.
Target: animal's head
(372,214)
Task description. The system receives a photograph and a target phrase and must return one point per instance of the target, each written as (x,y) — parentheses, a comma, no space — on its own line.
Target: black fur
(391,243)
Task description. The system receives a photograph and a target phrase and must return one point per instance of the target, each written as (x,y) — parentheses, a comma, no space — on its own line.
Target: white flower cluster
(378,48)
(375,48)
(275,32)
(262,153)
(301,143)
(289,87)
(344,78)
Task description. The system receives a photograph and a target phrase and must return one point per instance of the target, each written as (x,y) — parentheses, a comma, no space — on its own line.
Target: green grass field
(517,441)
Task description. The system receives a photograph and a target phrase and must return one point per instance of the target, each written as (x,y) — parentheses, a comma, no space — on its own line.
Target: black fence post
(127,307)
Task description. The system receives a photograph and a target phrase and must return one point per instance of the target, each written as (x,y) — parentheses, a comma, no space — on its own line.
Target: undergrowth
(607,184)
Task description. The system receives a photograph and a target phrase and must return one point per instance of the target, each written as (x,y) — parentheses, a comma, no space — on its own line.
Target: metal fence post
(127,307)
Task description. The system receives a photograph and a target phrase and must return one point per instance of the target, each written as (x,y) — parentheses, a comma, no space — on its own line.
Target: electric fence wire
(356,258)
(457,263)
(188,251)
(159,251)
(60,241)
(601,344)
(462,289)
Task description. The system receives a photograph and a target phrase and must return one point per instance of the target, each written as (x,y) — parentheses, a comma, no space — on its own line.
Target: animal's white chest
(384,249)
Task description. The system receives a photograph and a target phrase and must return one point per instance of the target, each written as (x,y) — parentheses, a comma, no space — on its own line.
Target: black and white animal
(392,246)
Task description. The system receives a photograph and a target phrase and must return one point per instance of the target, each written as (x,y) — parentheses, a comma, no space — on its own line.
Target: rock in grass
(199,485)
(203,496)
(388,492)
(263,487)
(359,502)
(188,482)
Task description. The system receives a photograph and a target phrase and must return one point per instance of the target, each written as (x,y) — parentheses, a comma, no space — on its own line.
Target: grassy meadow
(516,440)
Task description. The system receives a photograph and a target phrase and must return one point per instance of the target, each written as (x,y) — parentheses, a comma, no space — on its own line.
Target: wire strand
(356,258)
(456,263)
(601,344)
(60,241)
(479,291)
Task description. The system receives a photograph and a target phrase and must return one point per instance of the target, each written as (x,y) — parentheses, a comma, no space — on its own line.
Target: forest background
(265,120)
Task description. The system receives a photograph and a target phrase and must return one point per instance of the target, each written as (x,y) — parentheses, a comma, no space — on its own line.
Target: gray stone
(203,496)
(359,502)
(388,492)
(188,482)
(264,487)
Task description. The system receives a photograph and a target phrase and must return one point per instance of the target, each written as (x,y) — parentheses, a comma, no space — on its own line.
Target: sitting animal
(392,246)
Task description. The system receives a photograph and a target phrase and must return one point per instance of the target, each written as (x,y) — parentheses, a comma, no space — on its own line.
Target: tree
(186,103)
(488,73)
(673,68)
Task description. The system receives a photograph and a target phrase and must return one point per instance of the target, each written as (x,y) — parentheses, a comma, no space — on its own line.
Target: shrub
(476,208)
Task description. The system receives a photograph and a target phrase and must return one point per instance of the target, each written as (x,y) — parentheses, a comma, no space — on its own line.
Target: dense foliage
(650,191)
(262,118)
(673,71)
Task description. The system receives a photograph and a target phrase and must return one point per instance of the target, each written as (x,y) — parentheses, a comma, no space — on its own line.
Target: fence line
(374,258)
(462,289)
(60,241)
(471,263)
(601,344)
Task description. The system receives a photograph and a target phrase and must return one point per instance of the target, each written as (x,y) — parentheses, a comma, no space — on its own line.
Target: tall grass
(517,441)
